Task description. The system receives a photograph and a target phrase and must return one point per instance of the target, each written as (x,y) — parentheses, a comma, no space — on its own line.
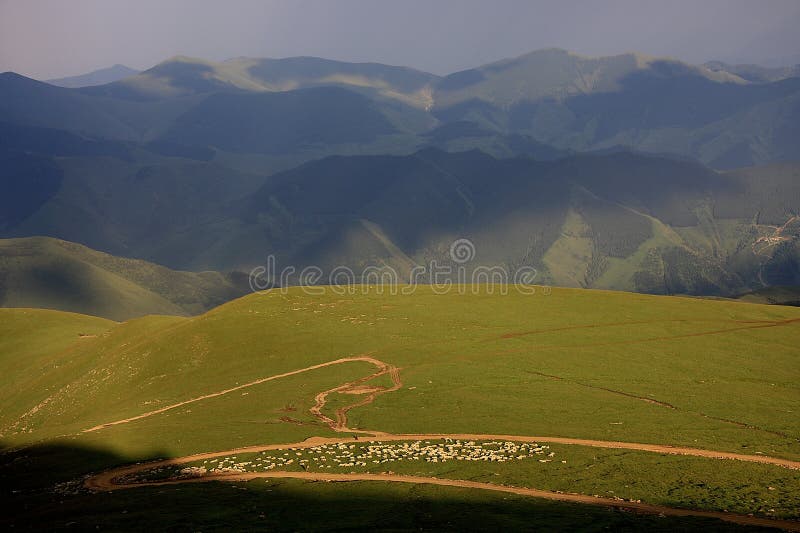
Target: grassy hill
(54,274)
(567,363)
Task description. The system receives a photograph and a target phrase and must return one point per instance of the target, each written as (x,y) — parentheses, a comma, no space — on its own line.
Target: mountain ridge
(95,77)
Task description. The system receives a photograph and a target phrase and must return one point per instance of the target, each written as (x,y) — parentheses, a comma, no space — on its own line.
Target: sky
(54,38)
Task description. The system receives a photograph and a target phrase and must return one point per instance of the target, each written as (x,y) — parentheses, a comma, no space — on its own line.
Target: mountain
(619,221)
(648,104)
(185,75)
(96,77)
(556,74)
(54,274)
(598,172)
(613,220)
(352,118)
(755,73)
(280,123)
(543,103)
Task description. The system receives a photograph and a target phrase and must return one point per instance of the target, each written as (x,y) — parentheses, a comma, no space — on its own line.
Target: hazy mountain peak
(182,75)
(97,77)
(557,73)
(754,73)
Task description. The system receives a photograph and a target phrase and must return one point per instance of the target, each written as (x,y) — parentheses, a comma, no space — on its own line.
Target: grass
(675,481)
(587,364)
(291,505)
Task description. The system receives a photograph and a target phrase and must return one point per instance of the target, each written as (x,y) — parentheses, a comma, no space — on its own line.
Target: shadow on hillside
(29,477)
(43,465)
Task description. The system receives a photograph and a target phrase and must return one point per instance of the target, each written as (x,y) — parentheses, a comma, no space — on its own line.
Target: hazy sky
(53,38)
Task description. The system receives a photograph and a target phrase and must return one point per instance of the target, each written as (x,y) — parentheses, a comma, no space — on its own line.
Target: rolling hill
(624,397)
(49,273)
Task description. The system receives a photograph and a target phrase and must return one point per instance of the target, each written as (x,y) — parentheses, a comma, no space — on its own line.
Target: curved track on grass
(384,368)
(110,479)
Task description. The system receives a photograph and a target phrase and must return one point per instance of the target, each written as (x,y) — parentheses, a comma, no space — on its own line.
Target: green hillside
(617,221)
(54,274)
(552,364)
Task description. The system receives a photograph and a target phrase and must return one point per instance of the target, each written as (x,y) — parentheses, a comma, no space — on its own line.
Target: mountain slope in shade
(280,123)
(55,274)
(618,221)
(96,77)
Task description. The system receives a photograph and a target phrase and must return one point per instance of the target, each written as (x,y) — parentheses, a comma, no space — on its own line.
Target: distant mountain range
(610,172)
(96,77)
(755,73)
(724,116)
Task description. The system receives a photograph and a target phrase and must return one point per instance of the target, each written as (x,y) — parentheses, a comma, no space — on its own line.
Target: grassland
(714,375)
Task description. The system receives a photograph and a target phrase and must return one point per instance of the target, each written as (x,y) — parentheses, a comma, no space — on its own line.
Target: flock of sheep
(370,453)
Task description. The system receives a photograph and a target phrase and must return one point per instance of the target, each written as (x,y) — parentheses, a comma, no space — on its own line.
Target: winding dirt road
(383,369)
(110,479)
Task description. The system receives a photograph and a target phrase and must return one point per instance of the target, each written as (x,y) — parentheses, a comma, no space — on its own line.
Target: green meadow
(717,375)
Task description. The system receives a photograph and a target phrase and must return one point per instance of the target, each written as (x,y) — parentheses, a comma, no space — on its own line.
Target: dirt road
(383,369)
(107,481)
